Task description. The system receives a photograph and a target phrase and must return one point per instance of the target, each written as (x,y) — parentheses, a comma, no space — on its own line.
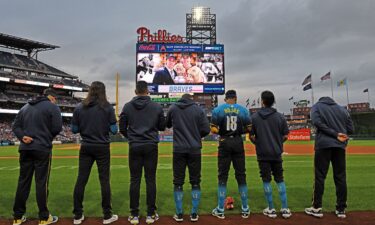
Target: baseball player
(94,119)
(269,131)
(230,121)
(190,125)
(35,125)
(140,121)
(333,125)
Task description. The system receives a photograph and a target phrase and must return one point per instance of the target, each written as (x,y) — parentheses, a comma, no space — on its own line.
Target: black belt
(230,136)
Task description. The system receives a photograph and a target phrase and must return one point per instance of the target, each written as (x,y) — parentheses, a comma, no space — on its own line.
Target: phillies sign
(162,36)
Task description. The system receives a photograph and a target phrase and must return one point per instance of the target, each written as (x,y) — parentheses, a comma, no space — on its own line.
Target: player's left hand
(342,137)
(27,139)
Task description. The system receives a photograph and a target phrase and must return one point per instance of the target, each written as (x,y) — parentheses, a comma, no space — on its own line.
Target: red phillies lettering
(162,36)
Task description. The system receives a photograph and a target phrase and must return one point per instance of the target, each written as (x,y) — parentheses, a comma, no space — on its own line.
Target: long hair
(96,93)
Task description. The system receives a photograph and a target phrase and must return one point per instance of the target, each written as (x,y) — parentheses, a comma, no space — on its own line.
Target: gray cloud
(270,45)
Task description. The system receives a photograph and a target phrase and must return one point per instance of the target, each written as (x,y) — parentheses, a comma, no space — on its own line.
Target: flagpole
(312,91)
(368,95)
(347,92)
(331,84)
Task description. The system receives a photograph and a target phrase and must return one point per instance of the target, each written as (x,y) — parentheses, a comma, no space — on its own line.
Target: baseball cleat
(78,219)
(112,219)
(152,218)
(218,213)
(178,217)
(51,219)
(285,213)
(133,220)
(316,212)
(340,214)
(19,221)
(271,213)
(245,212)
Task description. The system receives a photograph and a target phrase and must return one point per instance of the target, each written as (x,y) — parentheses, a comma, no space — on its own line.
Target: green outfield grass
(298,177)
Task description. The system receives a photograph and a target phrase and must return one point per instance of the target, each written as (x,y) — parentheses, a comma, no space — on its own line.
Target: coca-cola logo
(147,47)
(161,36)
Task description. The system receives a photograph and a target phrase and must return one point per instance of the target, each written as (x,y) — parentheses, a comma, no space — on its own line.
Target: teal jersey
(231,119)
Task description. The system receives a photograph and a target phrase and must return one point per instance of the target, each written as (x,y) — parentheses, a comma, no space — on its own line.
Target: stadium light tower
(200,26)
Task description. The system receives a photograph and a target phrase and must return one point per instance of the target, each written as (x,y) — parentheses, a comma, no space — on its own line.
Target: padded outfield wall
(364,125)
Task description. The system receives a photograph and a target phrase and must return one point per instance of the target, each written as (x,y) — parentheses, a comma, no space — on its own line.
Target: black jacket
(39,119)
(329,120)
(93,122)
(269,128)
(190,125)
(140,121)
(163,77)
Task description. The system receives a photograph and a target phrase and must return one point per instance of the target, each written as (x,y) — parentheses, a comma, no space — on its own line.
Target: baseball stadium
(23,77)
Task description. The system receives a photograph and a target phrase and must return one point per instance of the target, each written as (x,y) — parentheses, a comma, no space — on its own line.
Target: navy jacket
(329,120)
(140,121)
(269,128)
(163,77)
(94,123)
(190,125)
(39,119)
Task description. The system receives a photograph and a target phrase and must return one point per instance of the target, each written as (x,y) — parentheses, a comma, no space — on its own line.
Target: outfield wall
(364,125)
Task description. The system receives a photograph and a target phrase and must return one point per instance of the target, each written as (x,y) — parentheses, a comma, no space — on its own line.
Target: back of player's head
(141,88)
(230,94)
(50,91)
(187,96)
(268,98)
(96,93)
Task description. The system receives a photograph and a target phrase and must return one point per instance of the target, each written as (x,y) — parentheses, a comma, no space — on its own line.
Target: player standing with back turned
(269,131)
(230,121)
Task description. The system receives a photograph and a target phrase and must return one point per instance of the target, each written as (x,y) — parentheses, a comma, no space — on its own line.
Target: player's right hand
(27,139)
(214,129)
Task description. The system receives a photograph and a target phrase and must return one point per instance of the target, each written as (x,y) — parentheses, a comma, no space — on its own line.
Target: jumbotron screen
(181,68)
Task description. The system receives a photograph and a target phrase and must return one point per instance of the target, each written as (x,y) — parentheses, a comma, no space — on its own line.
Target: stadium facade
(23,76)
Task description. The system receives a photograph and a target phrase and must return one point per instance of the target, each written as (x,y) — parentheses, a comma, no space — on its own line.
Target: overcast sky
(269,45)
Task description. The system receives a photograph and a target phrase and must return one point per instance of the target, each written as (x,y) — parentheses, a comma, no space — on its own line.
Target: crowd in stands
(65,136)
(298,126)
(27,63)
(23,97)
(43,78)
(6,133)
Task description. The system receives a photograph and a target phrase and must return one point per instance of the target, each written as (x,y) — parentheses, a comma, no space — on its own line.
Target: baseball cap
(50,91)
(230,94)
(171,56)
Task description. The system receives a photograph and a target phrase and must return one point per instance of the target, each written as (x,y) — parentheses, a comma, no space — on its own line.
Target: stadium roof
(9,41)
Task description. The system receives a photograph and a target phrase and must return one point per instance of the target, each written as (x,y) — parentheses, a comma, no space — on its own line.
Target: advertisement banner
(156,47)
(4,79)
(37,83)
(180,88)
(303,134)
(58,86)
(164,100)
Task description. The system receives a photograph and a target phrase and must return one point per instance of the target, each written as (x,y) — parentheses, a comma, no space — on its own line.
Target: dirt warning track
(353,218)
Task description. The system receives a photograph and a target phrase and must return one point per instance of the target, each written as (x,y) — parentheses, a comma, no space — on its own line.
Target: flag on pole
(341,82)
(327,76)
(366,90)
(307,80)
(253,104)
(307,87)
(291,98)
